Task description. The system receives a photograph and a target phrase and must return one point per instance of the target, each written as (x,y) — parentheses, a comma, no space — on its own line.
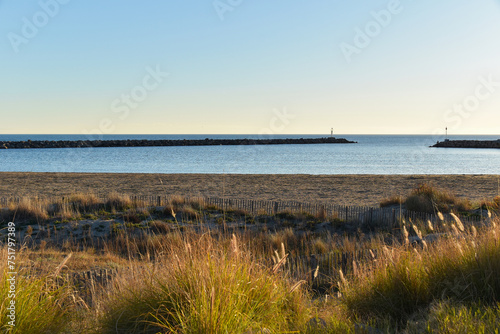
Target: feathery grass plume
(234,245)
(342,278)
(424,243)
(372,254)
(297,285)
(417,253)
(440,216)
(278,257)
(316,272)
(455,230)
(458,221)
(474,231)
(489,214)
(429,225)
(405,235)
(417,231)
(280,263)
(62,264)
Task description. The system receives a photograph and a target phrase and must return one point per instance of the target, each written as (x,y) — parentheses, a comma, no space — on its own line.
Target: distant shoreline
(166,142)
(363,190)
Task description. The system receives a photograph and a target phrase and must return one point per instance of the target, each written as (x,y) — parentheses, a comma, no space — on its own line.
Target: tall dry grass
(202,285)
(26,209)
(429,199)
(463,268)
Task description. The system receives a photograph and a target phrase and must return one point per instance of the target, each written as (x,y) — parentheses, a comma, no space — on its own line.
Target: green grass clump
(426,198)
(429,199)
(448,318)
(41,305)
(405,281)
(204,288)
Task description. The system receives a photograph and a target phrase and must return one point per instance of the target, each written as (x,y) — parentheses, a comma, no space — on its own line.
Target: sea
(372,154)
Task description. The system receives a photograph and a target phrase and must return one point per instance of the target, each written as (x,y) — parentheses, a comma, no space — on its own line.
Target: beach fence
(319,271)
(323,270)
(362,215)
(90,281)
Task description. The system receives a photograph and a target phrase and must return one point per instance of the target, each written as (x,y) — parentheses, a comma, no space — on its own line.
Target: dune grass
(203,288)
(429,199)
(463,269)
(42,300)
(204,283)
(174,280)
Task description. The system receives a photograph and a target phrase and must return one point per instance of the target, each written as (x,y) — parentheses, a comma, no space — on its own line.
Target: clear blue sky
(79,66)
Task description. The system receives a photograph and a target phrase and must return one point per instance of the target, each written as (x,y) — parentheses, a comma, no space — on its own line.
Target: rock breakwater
(165,142)
(468,143)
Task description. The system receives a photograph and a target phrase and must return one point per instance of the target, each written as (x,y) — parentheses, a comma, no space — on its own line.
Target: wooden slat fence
(372,216)
(323,269)
(298,268)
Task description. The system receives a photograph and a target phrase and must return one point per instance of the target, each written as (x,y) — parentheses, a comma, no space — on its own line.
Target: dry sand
(337,189)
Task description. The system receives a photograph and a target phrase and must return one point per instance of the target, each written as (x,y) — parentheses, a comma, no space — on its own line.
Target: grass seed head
(440,216)
(429,225)
(458,221)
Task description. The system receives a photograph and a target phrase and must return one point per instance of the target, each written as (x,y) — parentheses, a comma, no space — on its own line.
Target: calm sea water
(372,155)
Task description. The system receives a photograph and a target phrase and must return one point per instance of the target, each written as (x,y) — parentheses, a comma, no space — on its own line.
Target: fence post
(344,263)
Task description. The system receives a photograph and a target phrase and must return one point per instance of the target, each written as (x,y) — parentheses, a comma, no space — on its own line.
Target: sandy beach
(338,189)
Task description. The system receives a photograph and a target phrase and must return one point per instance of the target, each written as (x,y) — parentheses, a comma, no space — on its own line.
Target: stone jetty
(468,143)
(165,142)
